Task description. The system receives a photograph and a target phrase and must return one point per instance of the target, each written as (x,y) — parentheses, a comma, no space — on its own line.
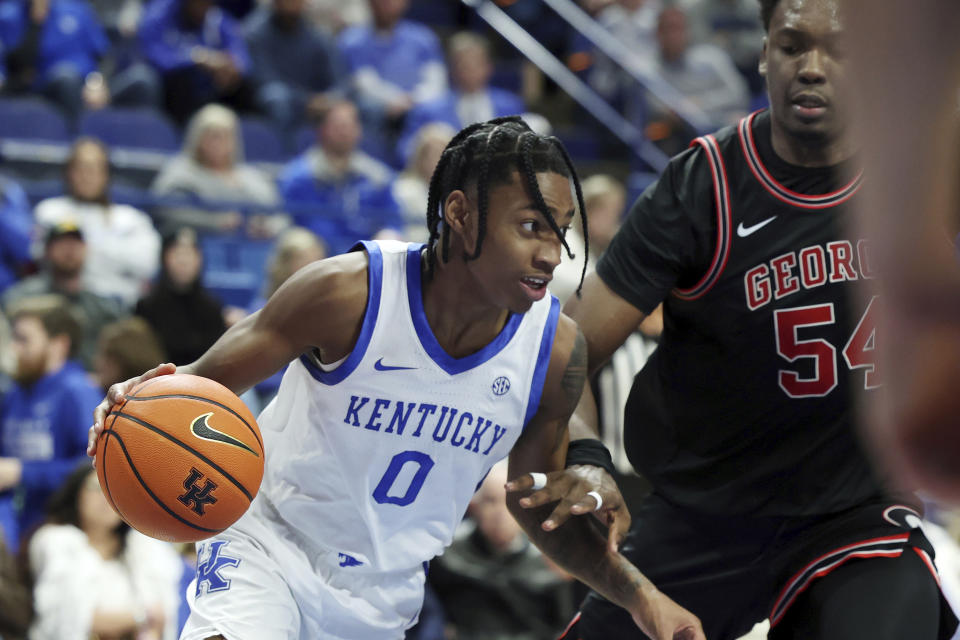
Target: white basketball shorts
(260,581)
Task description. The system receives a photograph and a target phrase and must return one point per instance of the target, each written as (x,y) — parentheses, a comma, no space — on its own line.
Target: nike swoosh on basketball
(743,231)
(202,430)
(379,366)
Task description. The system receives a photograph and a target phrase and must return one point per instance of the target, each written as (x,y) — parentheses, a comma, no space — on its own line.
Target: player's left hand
(571,487)
(663,619)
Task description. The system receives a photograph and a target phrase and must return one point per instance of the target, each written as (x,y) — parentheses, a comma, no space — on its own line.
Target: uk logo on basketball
(196,496)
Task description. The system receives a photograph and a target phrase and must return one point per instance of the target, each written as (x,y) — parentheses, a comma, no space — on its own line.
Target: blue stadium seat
(261,141)
(436,13)
(507,76)
(131,128)
(32,119)
(303,139)
(234,267)
(581,144)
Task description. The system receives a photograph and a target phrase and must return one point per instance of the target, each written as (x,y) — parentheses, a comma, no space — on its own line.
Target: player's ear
(762,67)
(461,217)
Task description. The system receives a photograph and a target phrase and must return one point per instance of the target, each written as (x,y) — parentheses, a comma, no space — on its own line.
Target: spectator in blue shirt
(472,99)
(16,221)
(337,191)
(392,65)
(199,51)
(45,415)
(50,46)
(280,39)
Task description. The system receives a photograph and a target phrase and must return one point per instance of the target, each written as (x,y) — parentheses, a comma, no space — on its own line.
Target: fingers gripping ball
(180,458)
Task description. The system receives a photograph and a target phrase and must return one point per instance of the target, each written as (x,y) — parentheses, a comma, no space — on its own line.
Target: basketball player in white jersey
(413,369)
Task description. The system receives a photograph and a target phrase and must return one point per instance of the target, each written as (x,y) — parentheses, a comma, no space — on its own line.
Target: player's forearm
(585,422)
(242,357)
(582,551)
(910,207)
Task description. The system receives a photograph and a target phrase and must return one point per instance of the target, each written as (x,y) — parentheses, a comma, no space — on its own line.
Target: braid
(483,192)
(453,153)
(433,206)
(580,205)
(489,152)
(526,167)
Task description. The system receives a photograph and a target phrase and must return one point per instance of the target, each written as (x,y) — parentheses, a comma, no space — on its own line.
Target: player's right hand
(114,395)
(570,488)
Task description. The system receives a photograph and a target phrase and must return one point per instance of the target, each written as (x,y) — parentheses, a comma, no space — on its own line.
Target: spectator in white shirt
(93,576)
(122,243)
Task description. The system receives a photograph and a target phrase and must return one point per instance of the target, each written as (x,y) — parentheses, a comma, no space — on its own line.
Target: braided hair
(488,153)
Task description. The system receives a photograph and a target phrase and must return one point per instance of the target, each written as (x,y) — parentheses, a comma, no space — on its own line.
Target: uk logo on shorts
(501,385)
(211,560)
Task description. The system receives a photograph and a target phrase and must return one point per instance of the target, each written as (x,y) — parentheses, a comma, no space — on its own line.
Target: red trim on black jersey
(779,191)
(927,561)
(889,547)
(575,620)
(721,196)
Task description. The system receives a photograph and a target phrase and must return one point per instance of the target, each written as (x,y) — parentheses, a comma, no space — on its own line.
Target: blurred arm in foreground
(908,84)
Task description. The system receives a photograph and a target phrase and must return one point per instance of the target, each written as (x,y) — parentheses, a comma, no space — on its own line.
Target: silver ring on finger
(596,496)
(539,481)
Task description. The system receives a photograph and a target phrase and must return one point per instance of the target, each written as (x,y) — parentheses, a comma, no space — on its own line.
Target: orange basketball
(180,458)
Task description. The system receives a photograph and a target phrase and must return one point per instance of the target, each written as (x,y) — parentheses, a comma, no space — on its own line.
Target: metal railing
(556,70)
(644,74)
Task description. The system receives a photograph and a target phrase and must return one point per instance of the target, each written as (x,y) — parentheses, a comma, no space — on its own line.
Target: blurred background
(166,164)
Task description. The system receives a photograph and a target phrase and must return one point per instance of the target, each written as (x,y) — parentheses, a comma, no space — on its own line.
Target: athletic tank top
(378,458)
(747,406)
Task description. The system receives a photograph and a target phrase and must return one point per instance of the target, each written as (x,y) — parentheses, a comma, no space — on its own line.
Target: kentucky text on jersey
(811,267)
(464,429)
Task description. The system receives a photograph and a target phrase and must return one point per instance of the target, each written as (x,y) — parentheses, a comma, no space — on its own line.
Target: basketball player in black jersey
(763,503)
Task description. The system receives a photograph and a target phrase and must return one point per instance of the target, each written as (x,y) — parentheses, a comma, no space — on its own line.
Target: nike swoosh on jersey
(202,430)
(379,366)
(743,231)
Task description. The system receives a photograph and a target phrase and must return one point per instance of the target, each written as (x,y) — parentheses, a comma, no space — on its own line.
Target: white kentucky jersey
(377,459)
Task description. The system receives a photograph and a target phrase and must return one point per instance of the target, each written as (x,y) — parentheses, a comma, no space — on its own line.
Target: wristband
(592,452)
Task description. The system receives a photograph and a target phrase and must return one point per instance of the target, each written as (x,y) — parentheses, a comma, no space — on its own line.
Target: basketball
(180,458)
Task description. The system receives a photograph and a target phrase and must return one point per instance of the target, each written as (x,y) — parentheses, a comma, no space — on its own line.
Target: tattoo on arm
(573,380)
(581,550)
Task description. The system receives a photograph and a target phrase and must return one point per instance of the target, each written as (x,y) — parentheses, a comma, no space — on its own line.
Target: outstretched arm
(910,208)
(297,318)
(577,546)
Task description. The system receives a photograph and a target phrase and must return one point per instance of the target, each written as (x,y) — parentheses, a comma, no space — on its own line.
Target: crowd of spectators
(362,100)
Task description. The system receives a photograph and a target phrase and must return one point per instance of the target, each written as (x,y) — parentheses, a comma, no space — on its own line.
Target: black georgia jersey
(747,404)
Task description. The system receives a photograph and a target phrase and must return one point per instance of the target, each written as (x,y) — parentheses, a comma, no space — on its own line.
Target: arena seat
(234,267)
(131,128)
(441,14)
(32,119)
(303,139)
(261,141)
